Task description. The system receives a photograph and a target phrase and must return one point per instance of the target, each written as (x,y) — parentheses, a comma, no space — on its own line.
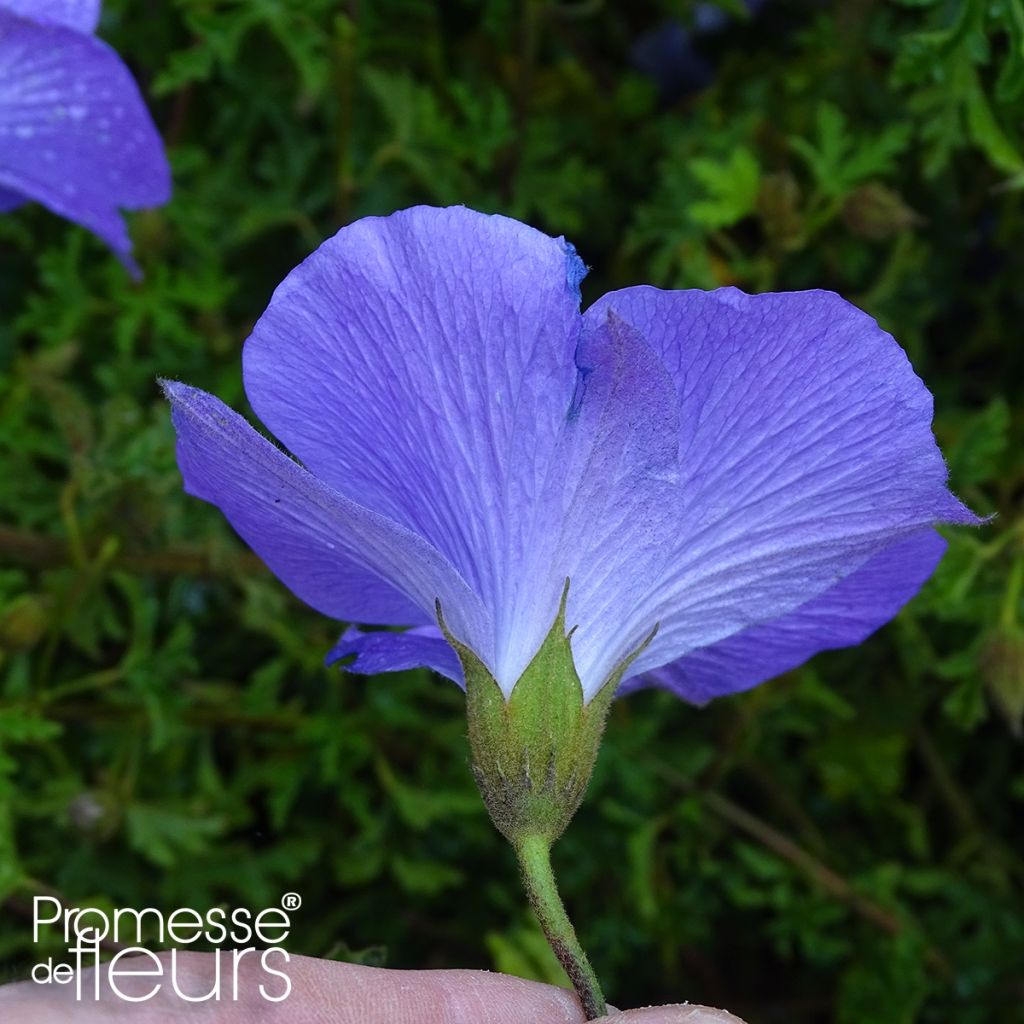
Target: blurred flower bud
(877,212)
(1001,664)
(23,622)
(778,206)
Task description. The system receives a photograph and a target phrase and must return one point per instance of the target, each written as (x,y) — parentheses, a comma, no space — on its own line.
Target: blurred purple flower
(676,55)
(75,134)
(756,474)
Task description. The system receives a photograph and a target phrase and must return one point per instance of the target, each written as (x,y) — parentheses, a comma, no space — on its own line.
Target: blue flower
(752,476)
(75,134)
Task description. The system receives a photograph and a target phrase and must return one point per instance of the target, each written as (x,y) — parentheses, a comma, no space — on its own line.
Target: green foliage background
(840,845)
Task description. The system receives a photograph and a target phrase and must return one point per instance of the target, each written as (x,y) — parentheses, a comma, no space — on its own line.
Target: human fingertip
(680,1013)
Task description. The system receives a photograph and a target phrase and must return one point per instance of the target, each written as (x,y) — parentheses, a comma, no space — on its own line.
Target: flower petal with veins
(75,134)
(755,475)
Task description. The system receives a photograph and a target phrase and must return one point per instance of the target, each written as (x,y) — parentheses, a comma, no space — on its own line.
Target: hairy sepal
(533,754)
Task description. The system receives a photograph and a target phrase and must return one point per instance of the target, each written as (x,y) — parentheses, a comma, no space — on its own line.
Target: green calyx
(533,753)
(532,757)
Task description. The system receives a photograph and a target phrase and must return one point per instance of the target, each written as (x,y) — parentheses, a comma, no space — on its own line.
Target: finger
(367,995)
(317,992)
(682,1013)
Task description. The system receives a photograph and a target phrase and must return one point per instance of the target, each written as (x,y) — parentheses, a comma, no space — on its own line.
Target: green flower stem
(534,854)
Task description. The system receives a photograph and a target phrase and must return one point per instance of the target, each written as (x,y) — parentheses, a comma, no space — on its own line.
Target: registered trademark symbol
(291,901)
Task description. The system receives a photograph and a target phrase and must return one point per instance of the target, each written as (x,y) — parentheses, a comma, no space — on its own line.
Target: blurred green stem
(529,38)
(346,31)
(37,551)
(534,854)
(1011,599)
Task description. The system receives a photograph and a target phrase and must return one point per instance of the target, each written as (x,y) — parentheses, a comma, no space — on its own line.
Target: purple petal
(81,15)
(714,463)
(422,647)
(422,364)
(608,503)
(805,449)
(10,200)
(841,617)
(339,557)
(74,132)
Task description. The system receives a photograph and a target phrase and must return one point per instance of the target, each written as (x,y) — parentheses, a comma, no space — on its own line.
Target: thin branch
(36,551)
(952,796)
(829,880)
(277,721)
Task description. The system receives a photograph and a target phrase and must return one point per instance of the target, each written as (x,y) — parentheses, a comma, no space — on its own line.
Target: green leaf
(167,836)
(523,952)
(977,455)
(987,133)
(425,877)
(731,185)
